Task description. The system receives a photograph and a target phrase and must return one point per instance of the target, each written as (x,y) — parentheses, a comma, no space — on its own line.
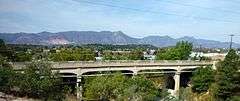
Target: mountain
(103,37)
(160,41)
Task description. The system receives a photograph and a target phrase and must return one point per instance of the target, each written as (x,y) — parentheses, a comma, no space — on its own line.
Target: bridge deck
(137,63)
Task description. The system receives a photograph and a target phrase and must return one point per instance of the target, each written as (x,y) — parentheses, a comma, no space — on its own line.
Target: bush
(120,87)
(6,75)
(38,81)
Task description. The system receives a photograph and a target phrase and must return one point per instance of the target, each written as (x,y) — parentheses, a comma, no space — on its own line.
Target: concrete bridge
(79,69)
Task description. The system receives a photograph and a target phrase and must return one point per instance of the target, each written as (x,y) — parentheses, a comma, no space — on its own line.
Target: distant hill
(103,37)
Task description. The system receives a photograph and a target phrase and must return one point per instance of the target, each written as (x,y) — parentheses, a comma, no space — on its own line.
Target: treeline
(76,54)
(22,53)
(129,47)
(123,55)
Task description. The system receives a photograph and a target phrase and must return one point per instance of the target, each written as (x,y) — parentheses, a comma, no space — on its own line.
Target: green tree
(105,87)
(136,54)
(181,51)
(73,55)
(202,79)
(6,75)
(5,51)
(140,89)
(227,78)
(39,81)
(22,57)
(121,88)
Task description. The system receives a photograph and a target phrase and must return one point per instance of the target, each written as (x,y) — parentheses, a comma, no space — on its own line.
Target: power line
(153,12)
(201,7)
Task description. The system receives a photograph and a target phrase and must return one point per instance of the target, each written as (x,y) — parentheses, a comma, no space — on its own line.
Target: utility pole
(231,35)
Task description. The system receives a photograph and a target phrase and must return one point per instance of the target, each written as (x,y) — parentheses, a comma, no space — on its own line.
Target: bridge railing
(72,64)
(136,61)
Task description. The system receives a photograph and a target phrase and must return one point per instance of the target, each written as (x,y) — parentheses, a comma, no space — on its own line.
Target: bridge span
(82,68)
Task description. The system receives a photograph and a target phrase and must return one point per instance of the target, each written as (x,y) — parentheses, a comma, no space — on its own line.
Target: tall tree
(227,78)
(5,51)
(202,79)
(181,51)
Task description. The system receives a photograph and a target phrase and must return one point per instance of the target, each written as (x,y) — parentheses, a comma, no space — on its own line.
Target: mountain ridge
(104,37)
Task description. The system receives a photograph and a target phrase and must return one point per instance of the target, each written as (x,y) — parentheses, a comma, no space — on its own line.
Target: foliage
(22,57)
(39,81)
(6,75)
(235,98)
(73,55)
(136,55)
(108,55)
(120,88)
(202,79)
(129,47)
(227,78)
(186,94)
(5,51)
(181,51)
(123,55)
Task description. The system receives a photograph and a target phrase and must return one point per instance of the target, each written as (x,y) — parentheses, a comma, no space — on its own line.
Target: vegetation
(39,81)
(77,54)
(22,57)
(6,75)
(227,77)
(181,51)
(121,88)
(5,51)
(123,55)
(102,47)
(226,83)
(202,79)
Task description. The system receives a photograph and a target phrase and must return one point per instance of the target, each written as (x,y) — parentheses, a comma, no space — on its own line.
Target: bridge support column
(79,88)
(177,83)
(135,72)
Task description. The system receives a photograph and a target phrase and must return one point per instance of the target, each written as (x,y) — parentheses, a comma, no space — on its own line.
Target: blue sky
(207,19)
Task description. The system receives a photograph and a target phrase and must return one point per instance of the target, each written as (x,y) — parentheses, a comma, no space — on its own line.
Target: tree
(181,51)
(140,89)
(120,88)
(5,51)
(39,81)
(136,54)
(22,57)
(73,55)
(202,79)
(105,87)
(6,75)
(227,78)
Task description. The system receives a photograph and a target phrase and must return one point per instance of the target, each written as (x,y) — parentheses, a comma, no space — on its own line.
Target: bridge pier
(135,72)
(79,88)
(177,83)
